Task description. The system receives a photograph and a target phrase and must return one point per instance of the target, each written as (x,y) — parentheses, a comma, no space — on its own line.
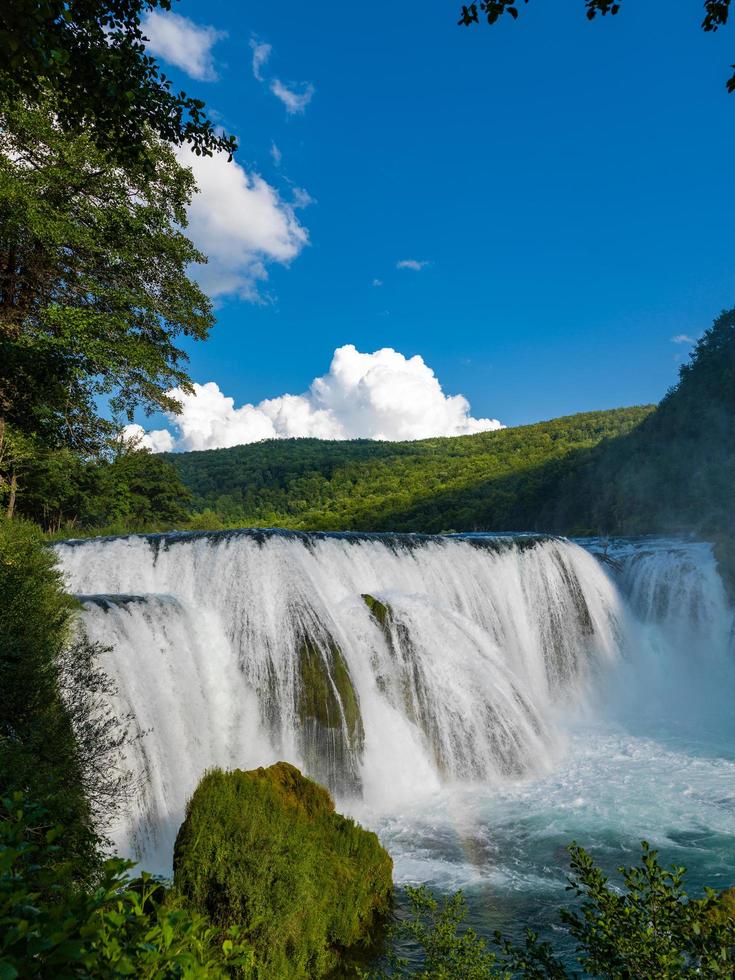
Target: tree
(94,291)
(716,14)
(39,753)
(136,489)
(91,57)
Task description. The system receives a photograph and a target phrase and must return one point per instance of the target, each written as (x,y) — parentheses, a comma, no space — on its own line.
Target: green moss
(266,851)
(380,611)
(295,790)
(328,708)
(327,694)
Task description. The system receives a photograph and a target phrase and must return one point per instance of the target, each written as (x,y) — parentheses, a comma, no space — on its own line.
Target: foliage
(716,14)
(94,288)
(92,57)
(446,952)
(489,481)
(37,746)
(266,851)
(58,742)
(650,929)
(642,928)
(94,298)
(675,471)
(120,927)
(134,489)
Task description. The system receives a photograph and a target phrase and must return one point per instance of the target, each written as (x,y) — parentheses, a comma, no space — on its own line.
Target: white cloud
(682,338)
(382,395)
(158,441)
(377,282)
(183,43)
(294,101)
(295,96)
(261,53)
(241,223)
(301,198)
(276,155)
(415,264)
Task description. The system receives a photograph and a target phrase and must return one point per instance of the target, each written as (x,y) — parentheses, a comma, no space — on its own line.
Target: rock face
(328,708)
(265,850)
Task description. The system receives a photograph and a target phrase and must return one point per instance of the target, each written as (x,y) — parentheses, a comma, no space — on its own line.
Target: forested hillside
(487,481)
(624,471)
(675,472)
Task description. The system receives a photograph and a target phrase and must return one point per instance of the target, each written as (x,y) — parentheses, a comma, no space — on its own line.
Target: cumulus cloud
(382,395)
(682,338)
(415,264)
(158,441)
(295,101)
(261,54)
(241,223)
(183,43)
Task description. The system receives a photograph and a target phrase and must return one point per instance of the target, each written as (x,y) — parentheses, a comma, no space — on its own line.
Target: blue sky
(568,185)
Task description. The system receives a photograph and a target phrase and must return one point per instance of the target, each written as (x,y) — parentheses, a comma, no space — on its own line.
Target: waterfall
(382,665)
(683,670)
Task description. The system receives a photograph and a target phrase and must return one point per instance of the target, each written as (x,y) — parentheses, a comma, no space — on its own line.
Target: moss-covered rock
(327,693)
(266,851)
(380,611)
(328,708)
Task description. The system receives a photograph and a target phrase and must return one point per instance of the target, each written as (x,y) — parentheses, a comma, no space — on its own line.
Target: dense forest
(478,482)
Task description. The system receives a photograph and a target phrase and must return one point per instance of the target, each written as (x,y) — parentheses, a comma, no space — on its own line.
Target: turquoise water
(505,848)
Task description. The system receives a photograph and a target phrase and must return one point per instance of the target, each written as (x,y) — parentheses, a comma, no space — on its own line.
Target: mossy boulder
(328,708)
(266,851)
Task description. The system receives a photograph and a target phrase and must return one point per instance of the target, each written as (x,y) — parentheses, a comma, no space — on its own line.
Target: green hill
(675,472)
(492,480)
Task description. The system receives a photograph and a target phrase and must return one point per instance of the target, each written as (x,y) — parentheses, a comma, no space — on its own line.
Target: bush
(38,752)
(648,929)
(121,927)
(266,851)
(60,743)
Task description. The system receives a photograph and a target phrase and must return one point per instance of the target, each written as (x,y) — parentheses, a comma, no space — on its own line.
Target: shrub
(38,752)
(60,742)
(121,927)
(266,851)
(648,929)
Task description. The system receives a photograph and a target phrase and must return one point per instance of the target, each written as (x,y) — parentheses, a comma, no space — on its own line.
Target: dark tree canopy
(91,55)
(95,298)
(715,15)
(94,290)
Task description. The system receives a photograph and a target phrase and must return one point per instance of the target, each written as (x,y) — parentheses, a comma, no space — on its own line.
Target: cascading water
(384,666)
(480,702)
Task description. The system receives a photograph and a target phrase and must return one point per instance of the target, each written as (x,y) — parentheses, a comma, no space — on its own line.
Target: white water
(524,693)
